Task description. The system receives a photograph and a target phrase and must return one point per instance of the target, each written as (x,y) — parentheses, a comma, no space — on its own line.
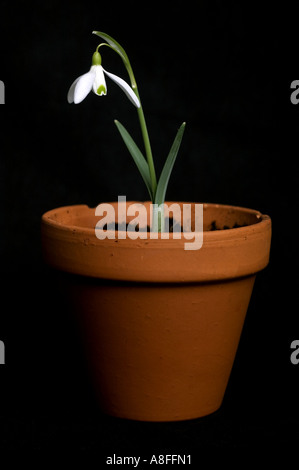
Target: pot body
(161,325)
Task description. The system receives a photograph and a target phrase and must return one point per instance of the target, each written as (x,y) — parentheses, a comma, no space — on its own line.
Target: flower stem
(147,146)
(148,150)
(146,140)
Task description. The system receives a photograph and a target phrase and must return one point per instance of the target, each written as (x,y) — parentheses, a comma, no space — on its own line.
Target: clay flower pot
(161,324)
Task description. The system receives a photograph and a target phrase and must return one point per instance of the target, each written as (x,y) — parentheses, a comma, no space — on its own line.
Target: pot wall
(160,353)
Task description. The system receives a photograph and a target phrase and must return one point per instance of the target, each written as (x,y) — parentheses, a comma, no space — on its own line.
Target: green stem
(147,146)
(145,136)
(148,150)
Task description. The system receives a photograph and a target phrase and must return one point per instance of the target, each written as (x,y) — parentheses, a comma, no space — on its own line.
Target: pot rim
(51,218)
(224,254)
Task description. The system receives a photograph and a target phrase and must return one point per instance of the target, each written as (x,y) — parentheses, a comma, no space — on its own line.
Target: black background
(223,67)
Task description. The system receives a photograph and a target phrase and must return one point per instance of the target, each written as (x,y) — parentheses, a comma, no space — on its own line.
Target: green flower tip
(101,90)
(96,58)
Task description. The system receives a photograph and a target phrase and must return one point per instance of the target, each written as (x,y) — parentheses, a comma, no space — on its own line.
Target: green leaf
(167,169)
(137,156)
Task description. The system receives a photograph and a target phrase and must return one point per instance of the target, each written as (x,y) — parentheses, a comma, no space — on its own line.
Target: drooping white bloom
(95,80)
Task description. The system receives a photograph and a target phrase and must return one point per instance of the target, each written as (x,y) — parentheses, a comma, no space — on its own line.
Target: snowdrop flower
(95,80)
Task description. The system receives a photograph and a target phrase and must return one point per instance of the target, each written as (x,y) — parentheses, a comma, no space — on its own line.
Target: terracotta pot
(161,324)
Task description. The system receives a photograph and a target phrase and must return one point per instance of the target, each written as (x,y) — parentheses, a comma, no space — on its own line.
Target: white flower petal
(125,88)
(70,95)
(83,86)
(99,85)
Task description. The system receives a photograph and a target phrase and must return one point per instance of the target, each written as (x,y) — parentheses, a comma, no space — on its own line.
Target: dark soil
(213,227)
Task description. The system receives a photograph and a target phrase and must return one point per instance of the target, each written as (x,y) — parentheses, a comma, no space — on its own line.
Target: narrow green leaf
(167,169)
(137,156)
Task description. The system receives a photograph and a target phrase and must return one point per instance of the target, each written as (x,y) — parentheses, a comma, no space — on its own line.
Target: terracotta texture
(161,324)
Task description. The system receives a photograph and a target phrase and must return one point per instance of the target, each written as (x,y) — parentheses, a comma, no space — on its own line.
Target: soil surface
(212,227)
